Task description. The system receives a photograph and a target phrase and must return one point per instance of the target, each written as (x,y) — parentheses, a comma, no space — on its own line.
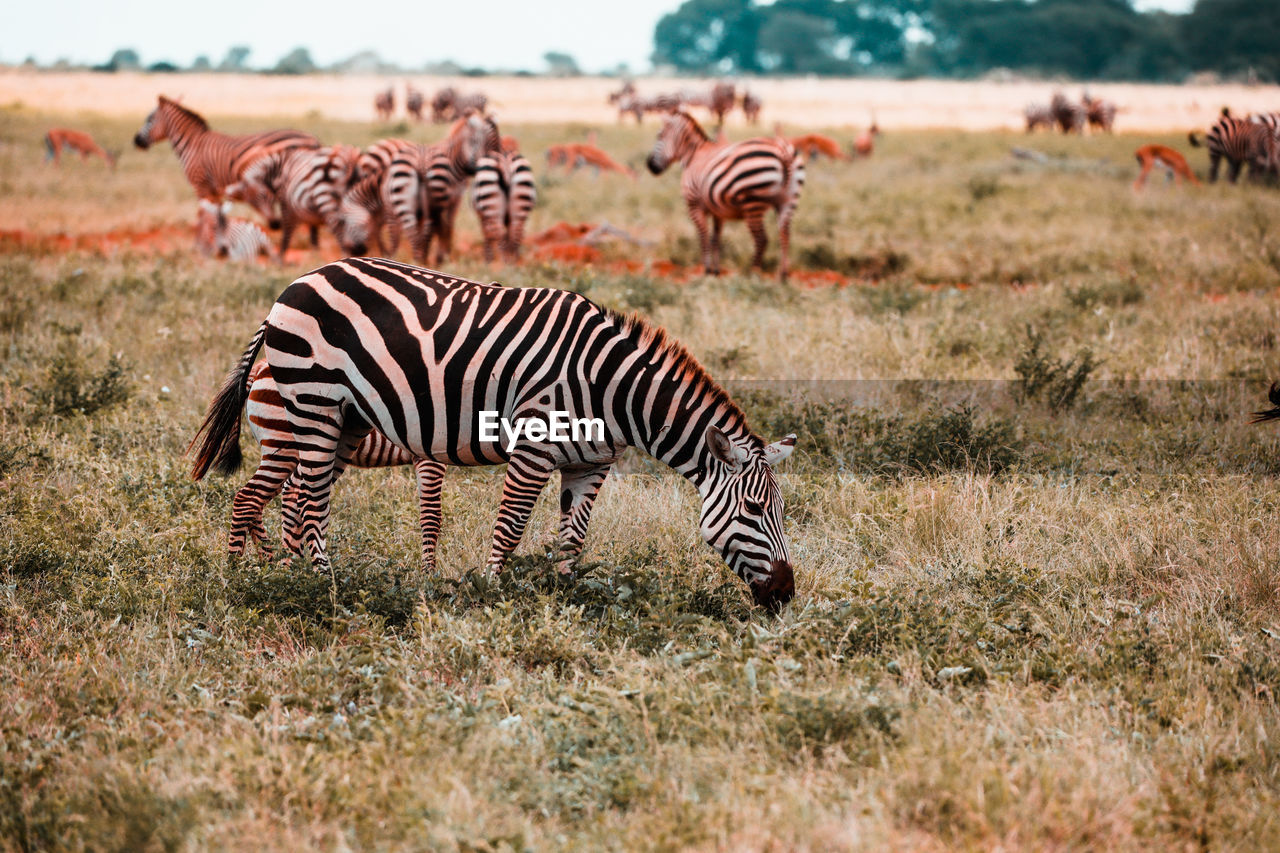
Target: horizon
(84,33)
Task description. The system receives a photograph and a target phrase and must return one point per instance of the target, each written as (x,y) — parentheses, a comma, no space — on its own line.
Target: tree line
(1086,39)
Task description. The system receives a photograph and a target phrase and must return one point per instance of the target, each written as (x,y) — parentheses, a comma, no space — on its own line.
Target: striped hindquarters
(745,177)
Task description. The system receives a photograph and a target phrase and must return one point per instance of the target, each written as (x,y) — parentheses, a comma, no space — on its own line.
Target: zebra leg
(430,483)
(515,239)
(246,507)
(784,240)
(287,225)
(318,467)
(493,237)
(526,475)
(1233,170)
(699,217)
(755,224)
(579,485)
(717,225)
(1215,160)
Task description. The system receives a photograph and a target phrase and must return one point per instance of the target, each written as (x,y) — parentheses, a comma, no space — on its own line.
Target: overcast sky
(509,34)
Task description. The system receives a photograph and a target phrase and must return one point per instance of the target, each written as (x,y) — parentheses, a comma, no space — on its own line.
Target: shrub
(1055,382)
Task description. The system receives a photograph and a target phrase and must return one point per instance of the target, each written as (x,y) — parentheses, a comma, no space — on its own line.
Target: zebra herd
(1071,116)
(719,100)
(446,105)
(408,190)
(397,190)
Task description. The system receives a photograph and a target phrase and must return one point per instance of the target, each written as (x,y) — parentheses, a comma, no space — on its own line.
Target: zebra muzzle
(776,590)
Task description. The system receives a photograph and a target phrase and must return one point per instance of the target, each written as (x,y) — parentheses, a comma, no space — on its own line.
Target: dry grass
(1077,651)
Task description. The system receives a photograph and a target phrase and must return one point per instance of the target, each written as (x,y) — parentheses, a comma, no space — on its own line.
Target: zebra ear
(723,449)
(780,449)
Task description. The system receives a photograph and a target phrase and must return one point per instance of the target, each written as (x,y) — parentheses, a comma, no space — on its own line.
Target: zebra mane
(693,124)
(655,340)
(190,114)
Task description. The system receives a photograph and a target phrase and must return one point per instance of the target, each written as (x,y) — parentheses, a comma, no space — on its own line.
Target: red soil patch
(562,243)
(163,238)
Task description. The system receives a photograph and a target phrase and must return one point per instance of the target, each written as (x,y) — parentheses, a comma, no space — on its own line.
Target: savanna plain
(1037,545)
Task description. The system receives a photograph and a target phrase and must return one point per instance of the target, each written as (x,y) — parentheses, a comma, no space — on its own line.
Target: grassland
(1037,601)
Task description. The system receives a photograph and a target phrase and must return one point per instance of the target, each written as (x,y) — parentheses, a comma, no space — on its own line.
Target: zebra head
(742,514)
(679,137)
(147,134)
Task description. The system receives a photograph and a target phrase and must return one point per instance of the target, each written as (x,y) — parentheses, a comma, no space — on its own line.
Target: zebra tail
(220,448)
(1269,414)
(1194,139)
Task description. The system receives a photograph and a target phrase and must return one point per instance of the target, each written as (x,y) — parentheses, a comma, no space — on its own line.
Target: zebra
(308,184)
(1069,115)
(268,418)
(212,161)
(60,138)
(219,235)
(737,181)
(720,103)
(1100,114)
(448,104)
(1239,141)
(424,358)
(1037,115)
(502,194)
(414,101)
(384,104)
(751,106)
(419,190)
(361,212)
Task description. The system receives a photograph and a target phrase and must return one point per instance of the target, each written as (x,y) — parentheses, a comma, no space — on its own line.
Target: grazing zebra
(418,191)
(637,105)
(503,193)
(414,101)
(221,236)
(1099,113)
(426,359)
(59,138)
(308,184)
(737,181)
(1238,141)
(751,106)
(212,161)
(1039,115)
(384,104)
(268,418)
(1069,115)
(448,104)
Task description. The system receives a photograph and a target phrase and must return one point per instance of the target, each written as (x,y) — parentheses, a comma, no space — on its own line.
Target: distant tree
(163,67)
(201,63)
(235,59)
(125,59)
(296,61)
(561,64)
(1234,36)
(709,36)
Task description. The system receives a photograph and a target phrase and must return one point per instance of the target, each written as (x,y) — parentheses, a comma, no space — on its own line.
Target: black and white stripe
(725,182)
(503,194)
(367,344)
(1239,142)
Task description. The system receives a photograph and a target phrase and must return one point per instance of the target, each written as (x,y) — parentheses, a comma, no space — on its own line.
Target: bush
(834,434)
(1055,382)
(73,386)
